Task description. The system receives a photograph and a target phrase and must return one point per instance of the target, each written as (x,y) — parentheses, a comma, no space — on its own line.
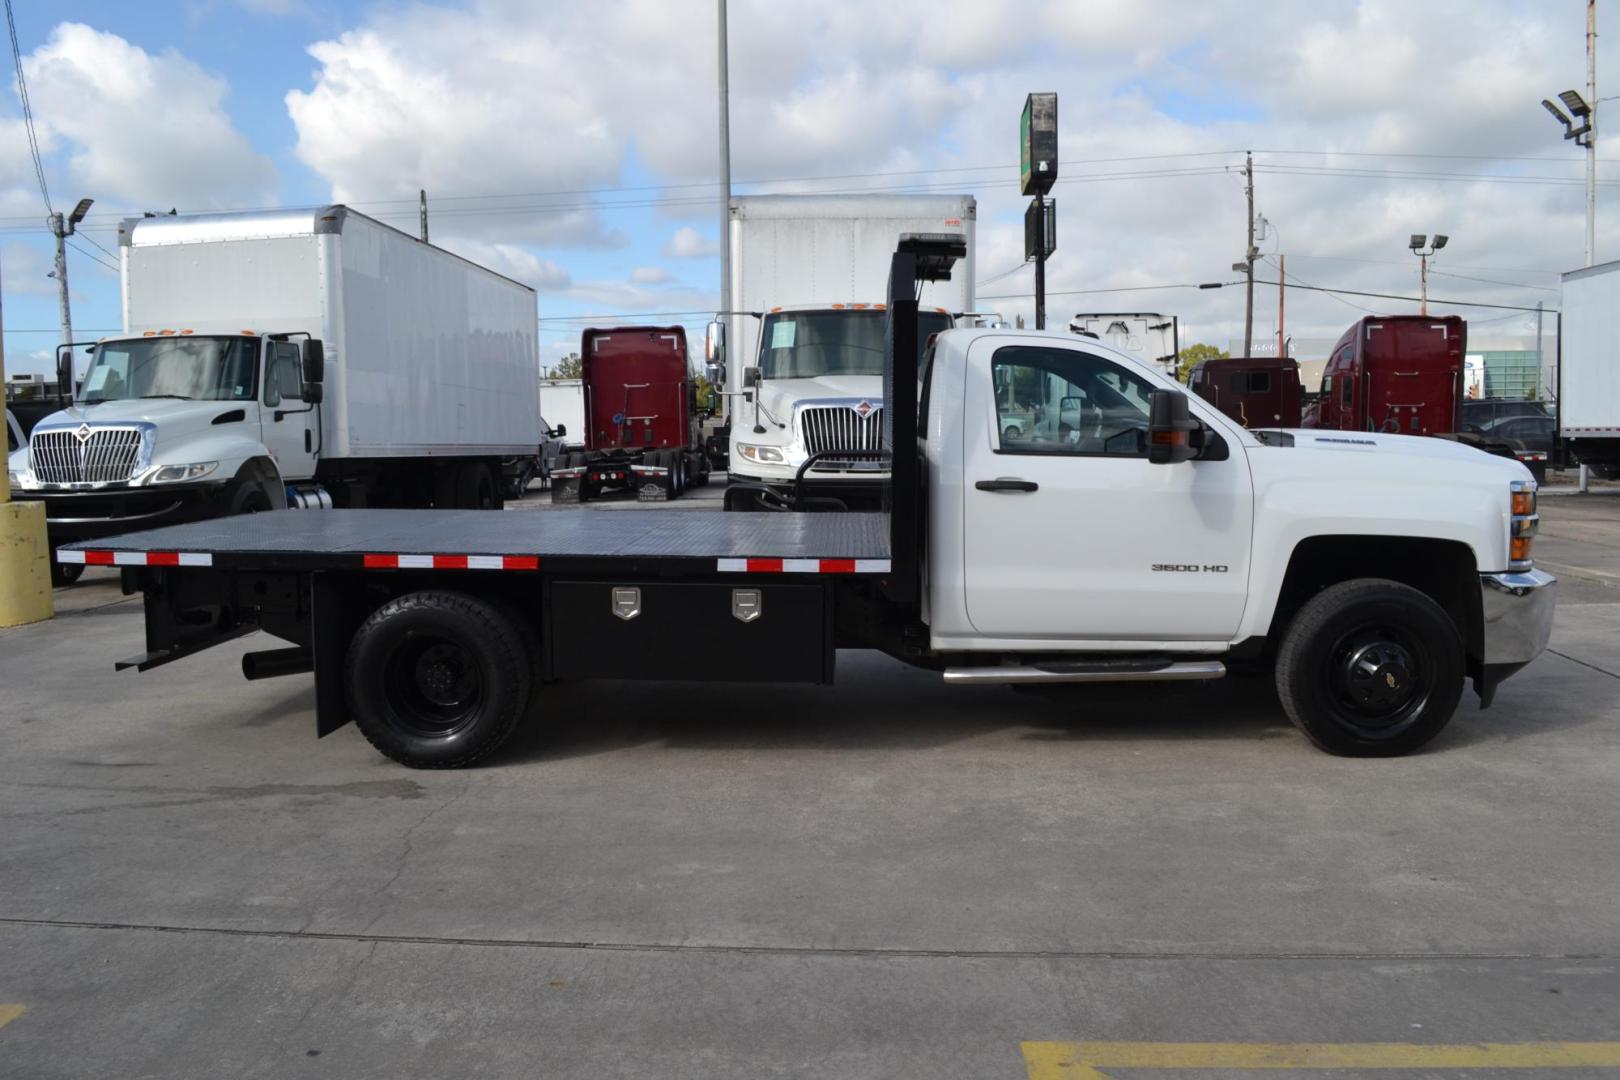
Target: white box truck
(293,358)
(804,333)
(1589,368)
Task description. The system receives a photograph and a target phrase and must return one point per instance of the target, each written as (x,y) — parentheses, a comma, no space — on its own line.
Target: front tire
(1370,668)
(438,679)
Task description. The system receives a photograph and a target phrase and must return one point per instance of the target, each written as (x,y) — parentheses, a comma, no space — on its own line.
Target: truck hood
(175,420)
(1384,446)
(780,395)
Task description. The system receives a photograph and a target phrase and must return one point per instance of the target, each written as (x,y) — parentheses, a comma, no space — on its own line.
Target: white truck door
(1069,531)
(292,440)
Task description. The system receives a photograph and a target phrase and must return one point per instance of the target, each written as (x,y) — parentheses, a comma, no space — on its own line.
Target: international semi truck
(1157,539)
(289,359)
(799,350)
(643,430)
(1589,368)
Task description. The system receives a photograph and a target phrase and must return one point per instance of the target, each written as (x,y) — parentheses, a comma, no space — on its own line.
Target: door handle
(1007,483)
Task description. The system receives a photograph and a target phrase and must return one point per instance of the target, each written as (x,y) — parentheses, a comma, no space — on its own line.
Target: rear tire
(65,574)
(475,488)
(1370,668)
(438,679)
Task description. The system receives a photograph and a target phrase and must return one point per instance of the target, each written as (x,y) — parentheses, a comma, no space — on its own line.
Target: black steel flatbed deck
(690,541)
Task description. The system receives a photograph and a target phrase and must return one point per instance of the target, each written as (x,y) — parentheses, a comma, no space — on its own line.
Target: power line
(27,110)
(92,240)
(1089,292)
(1300,284)
(1414,299)
(1489,281)
(93,257)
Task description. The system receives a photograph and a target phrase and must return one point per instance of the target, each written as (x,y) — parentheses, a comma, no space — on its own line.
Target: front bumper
(110,511)
(1517,617)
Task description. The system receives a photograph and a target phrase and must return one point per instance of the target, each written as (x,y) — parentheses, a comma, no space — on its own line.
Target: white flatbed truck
(1130,534)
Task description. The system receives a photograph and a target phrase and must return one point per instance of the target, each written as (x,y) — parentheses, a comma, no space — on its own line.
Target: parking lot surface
(889,877)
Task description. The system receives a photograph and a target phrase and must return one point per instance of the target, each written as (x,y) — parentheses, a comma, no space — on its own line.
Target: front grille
(109,455)
(839,427)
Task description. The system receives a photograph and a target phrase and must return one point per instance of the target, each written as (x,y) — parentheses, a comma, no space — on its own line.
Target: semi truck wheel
(1370,668)
(438,679)
(65,574)
(475,488)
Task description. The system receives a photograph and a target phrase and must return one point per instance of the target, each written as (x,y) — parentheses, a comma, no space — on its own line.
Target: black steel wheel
(65,574)
(438,679)
(1370,668)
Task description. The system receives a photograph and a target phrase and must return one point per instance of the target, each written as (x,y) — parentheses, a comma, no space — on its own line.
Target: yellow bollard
(25,564)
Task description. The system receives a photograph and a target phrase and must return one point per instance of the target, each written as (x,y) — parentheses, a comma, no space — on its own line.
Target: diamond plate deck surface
(584,533)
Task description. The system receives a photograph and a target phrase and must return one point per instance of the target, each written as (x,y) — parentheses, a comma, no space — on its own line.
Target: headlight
(1523,524)
(22,479)
(761,454)
(174,474)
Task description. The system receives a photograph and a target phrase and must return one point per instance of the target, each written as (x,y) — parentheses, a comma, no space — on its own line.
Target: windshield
(805,344)
(198,368)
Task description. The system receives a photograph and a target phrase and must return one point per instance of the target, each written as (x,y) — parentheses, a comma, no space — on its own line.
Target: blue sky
(492,103)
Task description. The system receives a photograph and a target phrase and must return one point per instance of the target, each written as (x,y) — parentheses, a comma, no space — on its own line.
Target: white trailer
(1145,335)
(805,325)
(298,358)
(562,404)
(1589,367)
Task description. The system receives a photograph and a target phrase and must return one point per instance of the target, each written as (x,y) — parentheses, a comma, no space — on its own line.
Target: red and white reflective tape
(135,558)
(451,562)
(803,566)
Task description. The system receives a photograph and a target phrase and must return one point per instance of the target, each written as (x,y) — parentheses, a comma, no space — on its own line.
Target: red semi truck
(1399,374)
(643,432)
(1256,391)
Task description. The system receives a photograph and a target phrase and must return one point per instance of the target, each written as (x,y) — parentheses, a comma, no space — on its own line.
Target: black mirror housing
(314,393)
(1170,428)
(750,377)
(314,363)
(560,431)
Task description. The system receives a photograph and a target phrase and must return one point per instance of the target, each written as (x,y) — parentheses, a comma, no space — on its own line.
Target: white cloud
(650,275)
(140,129)
(503,96)
(688,243)
(515,262)
(25,267)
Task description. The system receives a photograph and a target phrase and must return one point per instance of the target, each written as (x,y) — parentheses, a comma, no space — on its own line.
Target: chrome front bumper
(1518,615)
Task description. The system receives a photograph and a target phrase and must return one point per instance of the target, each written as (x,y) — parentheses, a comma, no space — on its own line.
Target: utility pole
(62,228)
(1282,295)
(1249,255)
(1591,138)
(725,180)
(422,204)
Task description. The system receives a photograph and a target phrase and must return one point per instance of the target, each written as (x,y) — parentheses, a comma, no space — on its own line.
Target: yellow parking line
(1086,1060)
(8,1013)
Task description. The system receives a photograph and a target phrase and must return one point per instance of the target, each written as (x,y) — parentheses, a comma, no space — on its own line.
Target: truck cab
(1401,374)
(1256,391)
(815,387)
(172,426)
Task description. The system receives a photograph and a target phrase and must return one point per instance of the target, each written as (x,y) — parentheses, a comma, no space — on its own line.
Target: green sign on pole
(1038,144)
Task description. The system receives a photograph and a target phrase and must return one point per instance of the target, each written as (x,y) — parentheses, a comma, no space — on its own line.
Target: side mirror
(560,431)
(64,374)
(1170,428)
(314,393)
(314,364)
(714,343)
(750,377)
(716,374)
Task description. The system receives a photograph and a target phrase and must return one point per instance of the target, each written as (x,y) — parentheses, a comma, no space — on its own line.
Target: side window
(1063,401)
(1346,386)
(1259,382)
(1327,387)
(284,374)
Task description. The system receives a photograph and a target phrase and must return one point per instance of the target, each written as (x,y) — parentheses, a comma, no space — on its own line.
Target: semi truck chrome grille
(840,427)
(85,455)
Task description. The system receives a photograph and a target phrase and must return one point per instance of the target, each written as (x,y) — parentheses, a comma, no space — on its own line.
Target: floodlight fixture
(1440,241)
(1557,113)
(79,211)
(1417,241)
(1576,104)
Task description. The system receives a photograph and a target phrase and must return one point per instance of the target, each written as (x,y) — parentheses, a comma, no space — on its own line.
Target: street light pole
(1416,244)
(63,227)
(725,180)
(1248,256)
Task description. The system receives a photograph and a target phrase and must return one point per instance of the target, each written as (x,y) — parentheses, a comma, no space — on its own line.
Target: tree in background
(569,367)
(1193,354)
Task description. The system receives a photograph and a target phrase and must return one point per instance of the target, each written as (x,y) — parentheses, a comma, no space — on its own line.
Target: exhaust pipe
(1097,672)
(273,662)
